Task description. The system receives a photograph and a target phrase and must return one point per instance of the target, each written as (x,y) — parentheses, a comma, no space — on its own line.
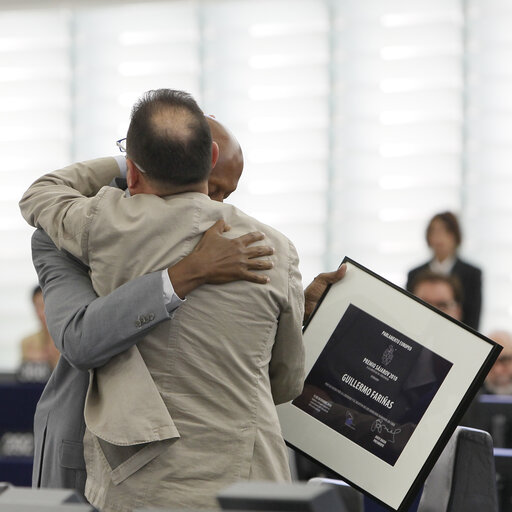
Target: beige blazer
(191,408)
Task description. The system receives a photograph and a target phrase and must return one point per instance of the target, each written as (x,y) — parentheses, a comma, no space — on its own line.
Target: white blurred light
(277,61)
(132,69)
(262,30)
(127,99)
(395,214)
(407,19)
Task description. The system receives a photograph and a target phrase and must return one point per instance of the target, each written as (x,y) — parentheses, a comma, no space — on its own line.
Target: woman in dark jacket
(444,238)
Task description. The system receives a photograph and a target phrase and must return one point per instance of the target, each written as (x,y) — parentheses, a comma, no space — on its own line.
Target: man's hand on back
(315,290)
(217,260)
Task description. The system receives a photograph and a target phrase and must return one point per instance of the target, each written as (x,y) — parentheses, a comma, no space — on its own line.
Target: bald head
(173,122)
(499,379)
(226,172)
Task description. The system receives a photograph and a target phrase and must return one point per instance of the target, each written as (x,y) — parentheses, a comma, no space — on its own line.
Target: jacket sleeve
(63,202)
(88,330)
(411,276)
(287,363)
(472,299)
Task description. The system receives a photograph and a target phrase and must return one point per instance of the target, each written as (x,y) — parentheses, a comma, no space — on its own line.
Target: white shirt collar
(442,267)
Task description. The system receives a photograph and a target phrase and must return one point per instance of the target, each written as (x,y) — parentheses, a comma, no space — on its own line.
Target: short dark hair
(451,224)
(169,138)
(427,276)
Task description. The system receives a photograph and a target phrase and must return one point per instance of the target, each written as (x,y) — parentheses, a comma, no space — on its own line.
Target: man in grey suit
(197,395)
(78,320)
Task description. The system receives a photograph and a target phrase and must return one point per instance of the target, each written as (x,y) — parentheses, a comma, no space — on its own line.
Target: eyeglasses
(445,305)
(504,359)
(121,144)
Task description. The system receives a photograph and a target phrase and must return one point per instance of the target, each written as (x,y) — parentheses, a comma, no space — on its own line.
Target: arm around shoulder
(89,330)
(60,202)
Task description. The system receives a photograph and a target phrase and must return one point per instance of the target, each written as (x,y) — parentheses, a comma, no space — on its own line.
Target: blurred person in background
(439,290)
(444,293)
(39,347)
(497,382)
(499,379)
(444,238)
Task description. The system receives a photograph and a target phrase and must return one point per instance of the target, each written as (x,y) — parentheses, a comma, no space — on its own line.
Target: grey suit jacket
(88,331)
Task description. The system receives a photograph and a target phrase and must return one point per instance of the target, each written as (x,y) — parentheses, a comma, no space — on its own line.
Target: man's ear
(132,177)
(215,153)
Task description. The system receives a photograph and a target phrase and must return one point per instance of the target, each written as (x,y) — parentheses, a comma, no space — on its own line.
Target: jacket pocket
(124,461)
(72,455)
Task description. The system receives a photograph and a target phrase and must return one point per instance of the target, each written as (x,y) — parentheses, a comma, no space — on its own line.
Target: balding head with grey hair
(169,139)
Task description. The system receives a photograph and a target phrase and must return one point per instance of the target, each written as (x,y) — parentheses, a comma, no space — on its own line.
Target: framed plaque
(388,378)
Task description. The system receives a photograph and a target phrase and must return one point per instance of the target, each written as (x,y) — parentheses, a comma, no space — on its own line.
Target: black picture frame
(364,297)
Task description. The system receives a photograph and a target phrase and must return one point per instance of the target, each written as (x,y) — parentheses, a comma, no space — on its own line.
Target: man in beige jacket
(192,409)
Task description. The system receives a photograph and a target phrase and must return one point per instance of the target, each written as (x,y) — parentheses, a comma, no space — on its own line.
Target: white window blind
(35,135)
(359,119)
(488,205)
(120,51)
(266,74)
(397,128)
